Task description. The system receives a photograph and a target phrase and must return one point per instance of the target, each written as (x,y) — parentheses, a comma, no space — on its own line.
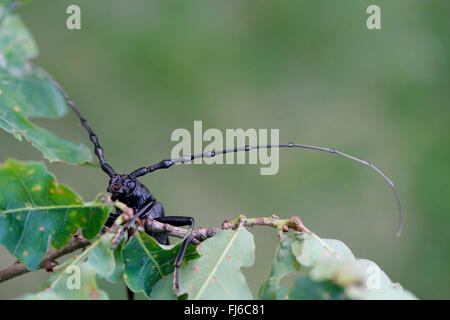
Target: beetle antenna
(92,136)
(164,164)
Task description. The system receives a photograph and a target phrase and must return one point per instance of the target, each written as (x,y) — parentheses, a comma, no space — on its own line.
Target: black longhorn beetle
(127,189)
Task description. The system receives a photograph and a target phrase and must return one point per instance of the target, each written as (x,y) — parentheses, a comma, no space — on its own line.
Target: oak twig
(48,262)
(201,234)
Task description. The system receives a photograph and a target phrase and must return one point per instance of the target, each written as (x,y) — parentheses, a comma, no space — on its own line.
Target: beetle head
(121,185)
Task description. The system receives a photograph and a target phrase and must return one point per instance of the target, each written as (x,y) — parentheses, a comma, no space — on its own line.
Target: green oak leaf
(117,275)
(307,289)
(146,261)
(361,279)
(310,250)
(216,274)
(332,262)
(36,207)
(27,92)
(16,43)
(76,278)
(284,264)
(376,284)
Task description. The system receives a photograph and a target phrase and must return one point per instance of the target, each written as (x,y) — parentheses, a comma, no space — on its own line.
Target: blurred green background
(139,69)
